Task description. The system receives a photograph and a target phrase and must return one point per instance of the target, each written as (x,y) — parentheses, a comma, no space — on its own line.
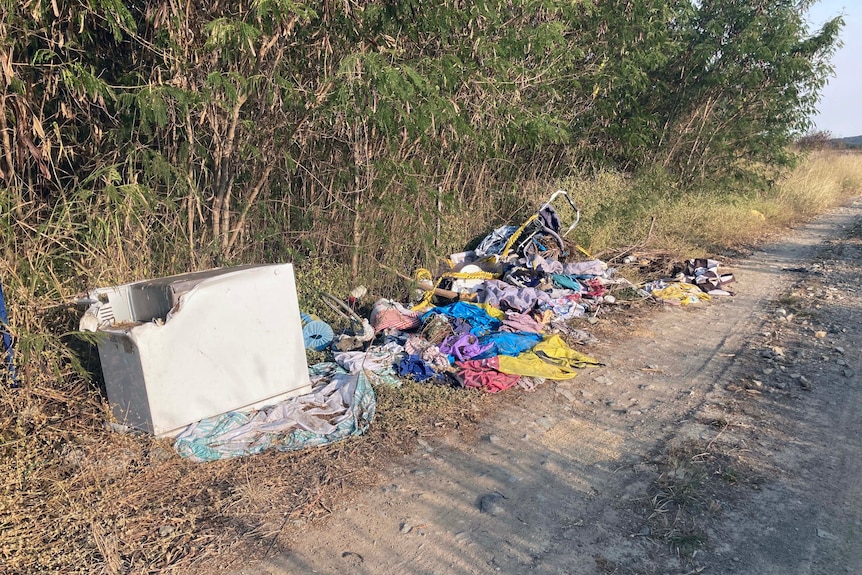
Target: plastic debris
(316,333)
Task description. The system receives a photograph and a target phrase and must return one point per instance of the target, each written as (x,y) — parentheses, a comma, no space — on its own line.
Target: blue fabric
(480,322)
(508,343)
(7,339)
(494,242)
(415,367)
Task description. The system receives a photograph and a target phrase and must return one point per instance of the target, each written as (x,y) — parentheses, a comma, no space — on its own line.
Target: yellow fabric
(494,312)
(681,293)
(423,275)
(552,358)
(480,275)
(517,234)
(530,364)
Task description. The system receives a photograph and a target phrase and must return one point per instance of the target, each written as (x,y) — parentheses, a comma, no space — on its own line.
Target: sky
(840,112)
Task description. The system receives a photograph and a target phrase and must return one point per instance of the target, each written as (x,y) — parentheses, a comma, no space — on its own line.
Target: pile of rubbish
(693,282)
(492,318)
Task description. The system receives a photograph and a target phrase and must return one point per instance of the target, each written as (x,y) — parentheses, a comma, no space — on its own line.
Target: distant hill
(851,142)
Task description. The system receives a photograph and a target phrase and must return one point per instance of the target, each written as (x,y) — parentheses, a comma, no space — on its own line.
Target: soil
(723,438)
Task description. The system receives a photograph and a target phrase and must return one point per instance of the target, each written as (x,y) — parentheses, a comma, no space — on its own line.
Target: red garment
(595,288)
(483,373)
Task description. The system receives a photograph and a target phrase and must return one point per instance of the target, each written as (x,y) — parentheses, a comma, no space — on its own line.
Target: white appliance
(179,349)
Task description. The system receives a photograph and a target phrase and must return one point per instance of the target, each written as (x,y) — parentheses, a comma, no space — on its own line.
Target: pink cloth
(482,373)
(595,288)
(388,314)
(521,322)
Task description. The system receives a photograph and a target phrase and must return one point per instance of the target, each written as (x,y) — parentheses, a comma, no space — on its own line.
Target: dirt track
(719,439)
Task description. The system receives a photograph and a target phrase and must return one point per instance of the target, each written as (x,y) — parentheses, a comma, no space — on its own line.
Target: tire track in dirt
(808,516)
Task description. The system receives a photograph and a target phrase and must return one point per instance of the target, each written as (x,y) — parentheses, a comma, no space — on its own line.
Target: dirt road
(718,439)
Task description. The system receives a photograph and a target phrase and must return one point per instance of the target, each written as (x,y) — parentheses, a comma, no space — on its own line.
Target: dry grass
(79,499)
(693,476)
(822,181)
(679,506)
(652,215)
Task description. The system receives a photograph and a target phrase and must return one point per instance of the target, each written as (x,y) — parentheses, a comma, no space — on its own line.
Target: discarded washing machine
(178,349)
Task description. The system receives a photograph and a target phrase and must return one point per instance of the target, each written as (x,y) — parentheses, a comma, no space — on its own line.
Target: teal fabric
(568,282)
(238,434)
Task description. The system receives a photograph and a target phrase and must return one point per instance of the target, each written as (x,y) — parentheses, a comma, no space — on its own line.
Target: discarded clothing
(591,267)
(530,364)
(494,242)
(435,358)
(484,374)
(704,274)
(494,312)
(377,363)
(463,347)
(524,277)
(554,349)
(416,344)
(507,343)
(551,359)
(676,293)
(521,322)
(568,282)
(548,266)
(416,368)
(388,314)
(338,407)
(564,308)
(508,297)
(376,358)
(595,288)
(478,319)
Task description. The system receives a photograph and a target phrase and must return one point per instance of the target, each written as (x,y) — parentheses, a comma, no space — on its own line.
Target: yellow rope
(470,275)
(517,234)
(585,252)
(423,275)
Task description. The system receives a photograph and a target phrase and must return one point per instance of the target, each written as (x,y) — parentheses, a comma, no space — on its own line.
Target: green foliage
(221,133)
(348,109)
(746,84)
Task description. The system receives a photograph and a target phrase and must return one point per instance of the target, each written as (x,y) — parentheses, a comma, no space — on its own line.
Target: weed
(687,222)
(731,476)
(606,566)
(685,542)
(680,496)
(684,493)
